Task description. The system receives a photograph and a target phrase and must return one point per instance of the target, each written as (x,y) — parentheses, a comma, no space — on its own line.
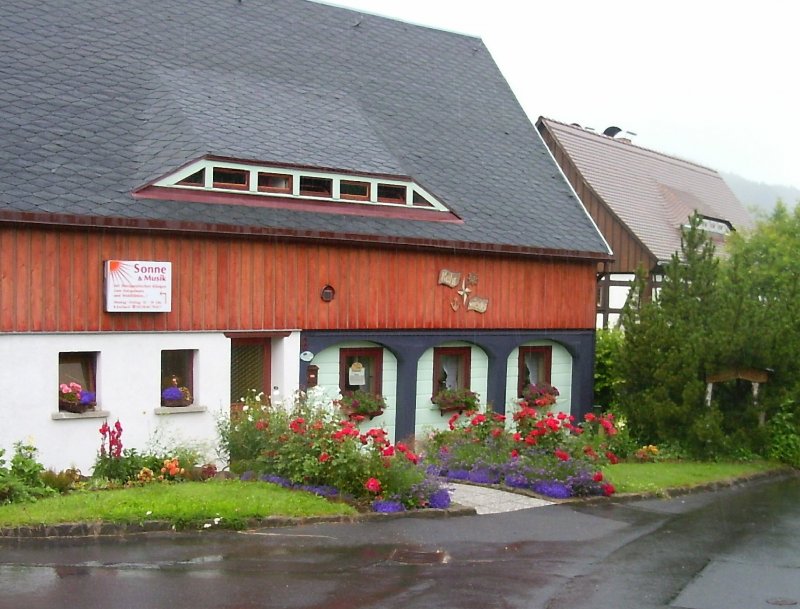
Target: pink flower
(373,485)
(64,388)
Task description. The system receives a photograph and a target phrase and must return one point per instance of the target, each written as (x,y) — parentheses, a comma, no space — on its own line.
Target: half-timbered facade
(201,199)
(640,200)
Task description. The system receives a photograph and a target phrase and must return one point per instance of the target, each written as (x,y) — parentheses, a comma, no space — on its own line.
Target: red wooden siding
(628,250)
(52,280)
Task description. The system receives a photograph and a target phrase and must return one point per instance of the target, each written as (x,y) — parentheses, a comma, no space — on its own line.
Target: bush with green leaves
(22,481)
(310,445)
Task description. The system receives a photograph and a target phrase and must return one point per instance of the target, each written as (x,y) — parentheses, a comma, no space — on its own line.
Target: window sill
(89,414)
(179,409)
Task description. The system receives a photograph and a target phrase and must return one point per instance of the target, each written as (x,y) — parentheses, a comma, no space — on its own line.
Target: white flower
(245,408)
(207,526)
(258,398)
(148,512)
(216,520)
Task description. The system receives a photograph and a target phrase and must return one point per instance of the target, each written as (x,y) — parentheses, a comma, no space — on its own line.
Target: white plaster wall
(560,376)
(328,362)
(128,388)
(428,416)
(285,366)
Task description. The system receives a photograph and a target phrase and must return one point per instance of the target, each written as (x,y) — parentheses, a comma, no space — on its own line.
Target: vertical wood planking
(222,284)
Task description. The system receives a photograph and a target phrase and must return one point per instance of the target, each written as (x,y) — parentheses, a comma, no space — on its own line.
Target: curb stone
(106,529)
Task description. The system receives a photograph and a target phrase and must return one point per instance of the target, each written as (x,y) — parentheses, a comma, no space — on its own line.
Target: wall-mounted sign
(138,286)
(357,374)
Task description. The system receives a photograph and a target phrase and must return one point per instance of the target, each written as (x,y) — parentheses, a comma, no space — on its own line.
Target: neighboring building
(639,199)
(224,196)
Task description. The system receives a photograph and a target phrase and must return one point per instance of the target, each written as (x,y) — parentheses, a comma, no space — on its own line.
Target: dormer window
(315,187)
(225,177)
(274,182)
(388,193)
(198,178)
(354,191)
(217,180)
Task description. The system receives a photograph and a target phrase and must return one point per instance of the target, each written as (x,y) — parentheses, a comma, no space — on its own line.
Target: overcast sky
(712,82)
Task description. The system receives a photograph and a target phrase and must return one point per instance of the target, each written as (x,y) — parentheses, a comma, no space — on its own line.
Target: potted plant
(73,398)
(462,399)
(361,403)
(175,395)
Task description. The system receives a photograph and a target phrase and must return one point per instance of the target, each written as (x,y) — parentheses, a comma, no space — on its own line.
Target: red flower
(324,457)
(561,416)
(388,451)
(412,457)
(496,433)
(608,489)
(589,417)
(401,447)
(590,452)
(598,477)
(564,456)
(373,485)
(514,453)
(298,425)
(260,425)
(517,437)
(612,458)
(451,422)
(478,419)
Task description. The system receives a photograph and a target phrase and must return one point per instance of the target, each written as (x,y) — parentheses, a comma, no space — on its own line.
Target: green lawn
(659,477)
(188,504)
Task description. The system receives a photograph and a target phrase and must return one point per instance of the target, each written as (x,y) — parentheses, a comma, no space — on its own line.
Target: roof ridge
(609,140)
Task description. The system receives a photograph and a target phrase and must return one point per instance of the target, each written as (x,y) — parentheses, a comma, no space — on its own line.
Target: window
(177,371)
(198,178)
(358,191)
(391,194)
(274,182)
(420,201)
(316,187)
(238,179)
(534,366)
(451,368)
(79,367)
(361,368)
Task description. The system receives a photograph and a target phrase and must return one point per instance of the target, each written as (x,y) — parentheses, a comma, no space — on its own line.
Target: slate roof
(653,194)
(99,97)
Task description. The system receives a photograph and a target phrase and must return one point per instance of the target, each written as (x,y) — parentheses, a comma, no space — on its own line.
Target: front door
(250,367)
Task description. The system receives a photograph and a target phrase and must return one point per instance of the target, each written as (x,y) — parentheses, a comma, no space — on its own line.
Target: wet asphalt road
(731,549)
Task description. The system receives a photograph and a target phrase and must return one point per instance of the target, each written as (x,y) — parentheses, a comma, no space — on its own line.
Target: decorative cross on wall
(465,298)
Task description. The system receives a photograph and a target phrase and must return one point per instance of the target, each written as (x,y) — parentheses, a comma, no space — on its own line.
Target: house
(640,200)
(207,197)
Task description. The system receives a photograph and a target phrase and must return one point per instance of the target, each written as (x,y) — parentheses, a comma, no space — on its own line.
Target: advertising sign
(138,286)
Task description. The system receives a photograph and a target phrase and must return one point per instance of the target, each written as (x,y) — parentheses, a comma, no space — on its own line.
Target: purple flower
(552,488)
(458,474)
(483,476)
(172,393)
(87,397)
(275,480)
(387,506)
(440,500)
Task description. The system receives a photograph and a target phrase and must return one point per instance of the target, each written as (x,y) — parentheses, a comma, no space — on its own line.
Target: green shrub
(784,435)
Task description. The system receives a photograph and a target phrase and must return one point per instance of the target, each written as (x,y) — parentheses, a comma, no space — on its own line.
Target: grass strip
(660,476)
(185,504)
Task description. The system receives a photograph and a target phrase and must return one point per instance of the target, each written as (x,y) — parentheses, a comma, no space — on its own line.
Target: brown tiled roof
(652,193)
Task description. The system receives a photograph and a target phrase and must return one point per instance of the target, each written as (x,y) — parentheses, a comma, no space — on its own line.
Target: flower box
(76,407)
(354,414)
(180,402)
(452,400)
